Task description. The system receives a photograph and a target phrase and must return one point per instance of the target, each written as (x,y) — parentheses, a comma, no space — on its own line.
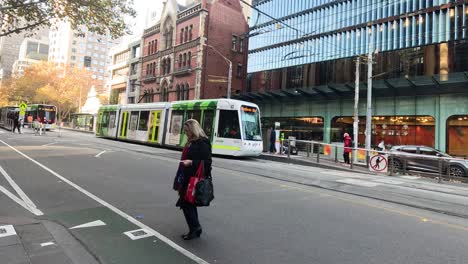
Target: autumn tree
(46,83)
(99,16)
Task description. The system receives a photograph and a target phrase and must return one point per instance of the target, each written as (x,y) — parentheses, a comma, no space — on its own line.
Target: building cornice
(152,30)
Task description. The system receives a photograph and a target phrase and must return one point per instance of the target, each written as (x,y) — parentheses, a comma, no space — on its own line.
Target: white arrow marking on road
(100,153)
(90,224)
(20,192)
(47,244)
(113,208)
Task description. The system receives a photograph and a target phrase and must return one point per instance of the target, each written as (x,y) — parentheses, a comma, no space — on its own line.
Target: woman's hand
(186,163)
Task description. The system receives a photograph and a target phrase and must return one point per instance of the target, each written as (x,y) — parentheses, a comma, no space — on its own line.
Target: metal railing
(398,163)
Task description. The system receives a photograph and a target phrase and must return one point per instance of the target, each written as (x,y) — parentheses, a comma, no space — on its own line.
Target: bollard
(440,170)
(318,154)
(336,154)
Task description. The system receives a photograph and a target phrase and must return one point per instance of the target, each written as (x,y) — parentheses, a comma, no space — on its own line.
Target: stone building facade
(179,59)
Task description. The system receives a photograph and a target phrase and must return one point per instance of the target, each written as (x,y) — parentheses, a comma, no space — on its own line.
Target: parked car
(458,168)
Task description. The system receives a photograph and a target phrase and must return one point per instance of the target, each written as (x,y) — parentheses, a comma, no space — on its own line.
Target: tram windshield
(251,123)
(46,112)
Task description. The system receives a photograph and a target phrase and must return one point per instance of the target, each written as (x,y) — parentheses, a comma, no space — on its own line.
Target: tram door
(154,126)
(227,140)
(124,122)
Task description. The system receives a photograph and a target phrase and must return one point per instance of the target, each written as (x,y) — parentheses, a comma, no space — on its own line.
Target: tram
(6,116)
(232,126)
(45,114)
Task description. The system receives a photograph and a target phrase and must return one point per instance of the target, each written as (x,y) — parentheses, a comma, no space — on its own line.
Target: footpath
(31,241)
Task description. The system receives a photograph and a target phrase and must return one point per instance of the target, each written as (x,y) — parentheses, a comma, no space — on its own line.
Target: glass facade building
(302,67)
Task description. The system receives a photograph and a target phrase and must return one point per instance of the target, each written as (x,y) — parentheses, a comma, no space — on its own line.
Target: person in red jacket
(347,148)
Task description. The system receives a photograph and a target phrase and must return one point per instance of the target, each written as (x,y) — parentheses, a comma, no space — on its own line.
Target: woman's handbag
(190,194)
(200,189)
(179,179)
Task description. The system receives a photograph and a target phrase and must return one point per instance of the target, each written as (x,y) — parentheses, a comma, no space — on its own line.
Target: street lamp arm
(230,69)
(219,53)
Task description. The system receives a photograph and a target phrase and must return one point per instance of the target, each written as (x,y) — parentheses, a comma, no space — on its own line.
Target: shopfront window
(302,128)
(457,135)
(393,130)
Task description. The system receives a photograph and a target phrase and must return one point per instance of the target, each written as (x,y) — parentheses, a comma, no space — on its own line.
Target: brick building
(179,59)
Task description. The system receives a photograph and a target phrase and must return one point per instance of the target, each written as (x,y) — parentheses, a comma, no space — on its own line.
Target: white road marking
(388,181)
(1,132)
(344,174)
(15,199)
(90,224)
(138,234)
(359,182)
(100,153)
(49,144)
(410,177)
(47,244)
(114,209)
(20,192)
(7,230)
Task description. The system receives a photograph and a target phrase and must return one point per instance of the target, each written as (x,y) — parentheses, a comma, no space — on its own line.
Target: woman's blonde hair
(196,130)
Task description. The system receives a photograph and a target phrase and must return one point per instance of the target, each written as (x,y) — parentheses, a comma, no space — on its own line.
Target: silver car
(424,162)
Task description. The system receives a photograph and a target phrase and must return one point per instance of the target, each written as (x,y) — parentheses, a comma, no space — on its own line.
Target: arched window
(147,69)
(190,32)
(178,92)
(189,58)
(163,67)
(181,36)
(168,64)
(186,34)
(164,94)
(154,69)
(180,60)
(186,92)
(185,59)
(149,48)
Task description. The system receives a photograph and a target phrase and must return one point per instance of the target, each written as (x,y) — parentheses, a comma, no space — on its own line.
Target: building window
(241,45)
(234,43)
(239,71)
(149,48)
(189,59)
(181,36)
(185,59)
(190,32)
(156,46)
(186,34)
(87,61)
(178,93)
(186,92)
(180,60)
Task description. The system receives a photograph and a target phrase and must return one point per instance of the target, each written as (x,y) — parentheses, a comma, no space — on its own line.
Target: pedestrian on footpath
(347,148)
(16,123)
(272,140)
(197,150)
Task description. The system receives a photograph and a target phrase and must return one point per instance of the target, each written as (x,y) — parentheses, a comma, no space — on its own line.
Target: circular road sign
(378,163)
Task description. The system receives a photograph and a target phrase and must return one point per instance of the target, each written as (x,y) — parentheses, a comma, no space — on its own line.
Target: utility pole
(356,107)
(230,69)
(370,62)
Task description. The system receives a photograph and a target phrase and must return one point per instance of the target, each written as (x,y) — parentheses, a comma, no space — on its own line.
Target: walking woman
(197,150)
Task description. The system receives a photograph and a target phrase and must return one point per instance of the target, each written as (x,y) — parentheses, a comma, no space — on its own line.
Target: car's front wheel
(457,171)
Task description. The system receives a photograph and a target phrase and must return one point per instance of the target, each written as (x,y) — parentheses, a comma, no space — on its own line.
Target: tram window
(133,121)
(228,126)
(112,120)
(176,122)
(208,123)
(105,120)
(143,124)
(194,114)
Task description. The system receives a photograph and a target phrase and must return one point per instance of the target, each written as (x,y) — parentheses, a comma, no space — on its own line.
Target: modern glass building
(302,69)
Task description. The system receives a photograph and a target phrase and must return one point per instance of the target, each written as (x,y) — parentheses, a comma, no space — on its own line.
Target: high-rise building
(10,48)
(183,52)
(83,49)
(302,69)
(32,51)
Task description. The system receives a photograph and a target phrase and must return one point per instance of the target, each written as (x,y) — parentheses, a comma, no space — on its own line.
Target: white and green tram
(233,126)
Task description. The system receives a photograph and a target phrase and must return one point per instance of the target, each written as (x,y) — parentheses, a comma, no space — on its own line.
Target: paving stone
(13,254)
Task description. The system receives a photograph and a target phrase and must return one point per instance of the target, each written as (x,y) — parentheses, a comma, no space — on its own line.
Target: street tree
(98,16)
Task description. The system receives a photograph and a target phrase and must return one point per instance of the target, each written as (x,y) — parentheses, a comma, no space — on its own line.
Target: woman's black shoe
(192,235)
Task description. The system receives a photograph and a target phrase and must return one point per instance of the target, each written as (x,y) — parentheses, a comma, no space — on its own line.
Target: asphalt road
(264,212)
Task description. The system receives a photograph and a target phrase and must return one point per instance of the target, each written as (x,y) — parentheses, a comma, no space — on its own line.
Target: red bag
(199,175)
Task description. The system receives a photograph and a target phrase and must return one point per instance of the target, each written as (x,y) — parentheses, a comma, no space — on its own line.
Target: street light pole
(356,109)
(369,94)
(230,69)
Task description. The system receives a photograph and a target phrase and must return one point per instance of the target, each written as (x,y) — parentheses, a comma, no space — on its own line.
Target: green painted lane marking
(226,147)
(111,245)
